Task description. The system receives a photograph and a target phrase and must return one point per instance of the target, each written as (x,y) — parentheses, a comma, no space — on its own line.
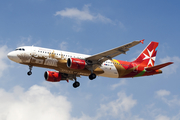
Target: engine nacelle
(52,76)
(76,63)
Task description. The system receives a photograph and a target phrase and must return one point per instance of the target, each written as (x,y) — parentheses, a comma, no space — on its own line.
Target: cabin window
(20,49)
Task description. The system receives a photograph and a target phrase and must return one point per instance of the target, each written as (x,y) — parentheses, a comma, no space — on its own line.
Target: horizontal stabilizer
(157,67)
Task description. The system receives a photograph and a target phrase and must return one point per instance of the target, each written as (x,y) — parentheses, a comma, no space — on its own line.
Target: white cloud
(63,45)
(75,13)
(174,101)
(172,68)
(118,108)
(82,15)
(162,93)
(37,103)
(162,117)
(3,57)
(122,82)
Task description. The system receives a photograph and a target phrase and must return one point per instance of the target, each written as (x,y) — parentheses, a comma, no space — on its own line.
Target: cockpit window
(20,49)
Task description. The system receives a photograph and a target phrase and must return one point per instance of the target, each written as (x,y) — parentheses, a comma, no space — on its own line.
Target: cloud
(162,93)
(37,103)
(162,117)
(63,45)
(122,82)
(3,57)
(172,68)
(82,15)
(119,107)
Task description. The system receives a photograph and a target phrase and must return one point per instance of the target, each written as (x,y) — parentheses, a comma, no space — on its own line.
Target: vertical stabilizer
(148,56)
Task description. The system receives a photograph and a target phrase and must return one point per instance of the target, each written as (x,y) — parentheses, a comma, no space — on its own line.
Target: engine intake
(76,63)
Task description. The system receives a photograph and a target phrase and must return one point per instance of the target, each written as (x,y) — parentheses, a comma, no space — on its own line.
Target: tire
(76,84)
(29,73)
(92,76)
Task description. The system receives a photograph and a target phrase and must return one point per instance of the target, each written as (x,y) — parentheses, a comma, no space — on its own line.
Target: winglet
(142,41)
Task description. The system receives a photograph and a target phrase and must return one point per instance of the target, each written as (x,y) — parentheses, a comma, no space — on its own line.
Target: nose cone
(10,55)
(13,56)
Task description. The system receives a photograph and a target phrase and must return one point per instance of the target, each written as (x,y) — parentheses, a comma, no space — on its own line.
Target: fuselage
(57,60)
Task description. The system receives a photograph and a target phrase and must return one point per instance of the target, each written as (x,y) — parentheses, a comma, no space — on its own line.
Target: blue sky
(90,27)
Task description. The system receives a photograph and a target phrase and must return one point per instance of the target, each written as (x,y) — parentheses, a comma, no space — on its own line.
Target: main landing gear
(76,84)
(30,70)
(92,76)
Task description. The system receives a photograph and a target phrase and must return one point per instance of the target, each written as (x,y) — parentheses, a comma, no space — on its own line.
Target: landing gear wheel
(92,76)
(29,73)
(76,84)
(30,68)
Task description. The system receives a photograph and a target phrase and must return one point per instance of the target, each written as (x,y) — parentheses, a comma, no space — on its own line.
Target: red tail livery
(148,56)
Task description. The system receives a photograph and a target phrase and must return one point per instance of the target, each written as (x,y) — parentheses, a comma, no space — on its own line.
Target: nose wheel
(30,70)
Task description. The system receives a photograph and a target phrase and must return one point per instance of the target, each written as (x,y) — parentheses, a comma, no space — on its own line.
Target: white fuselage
(35,56)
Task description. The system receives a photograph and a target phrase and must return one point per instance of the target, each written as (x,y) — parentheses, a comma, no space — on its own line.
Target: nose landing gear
(30,70)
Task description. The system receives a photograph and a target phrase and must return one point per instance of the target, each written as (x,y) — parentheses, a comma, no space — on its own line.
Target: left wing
(97,59)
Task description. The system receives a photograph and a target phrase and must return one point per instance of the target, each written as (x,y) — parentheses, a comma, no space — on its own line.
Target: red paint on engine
(52,76)
(77,63)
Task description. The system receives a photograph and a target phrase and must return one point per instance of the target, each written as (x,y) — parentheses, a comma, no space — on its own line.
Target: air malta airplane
(68,65)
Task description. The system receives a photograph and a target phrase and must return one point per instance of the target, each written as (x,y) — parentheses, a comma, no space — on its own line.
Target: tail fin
(148,56)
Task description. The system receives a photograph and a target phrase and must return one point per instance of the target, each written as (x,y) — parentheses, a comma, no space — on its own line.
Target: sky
(90,27)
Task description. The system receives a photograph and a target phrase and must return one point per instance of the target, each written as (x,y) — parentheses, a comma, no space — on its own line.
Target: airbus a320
(68,65)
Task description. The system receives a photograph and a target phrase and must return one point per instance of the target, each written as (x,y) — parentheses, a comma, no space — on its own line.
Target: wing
(97,59)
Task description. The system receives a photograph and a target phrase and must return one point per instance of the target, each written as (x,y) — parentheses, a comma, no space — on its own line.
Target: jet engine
(75,63)
(52,76)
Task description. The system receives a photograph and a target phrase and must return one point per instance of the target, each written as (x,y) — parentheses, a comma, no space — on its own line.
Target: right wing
(97,59)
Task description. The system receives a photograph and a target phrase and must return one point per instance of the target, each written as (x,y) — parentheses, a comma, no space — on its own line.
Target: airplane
(69,65)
